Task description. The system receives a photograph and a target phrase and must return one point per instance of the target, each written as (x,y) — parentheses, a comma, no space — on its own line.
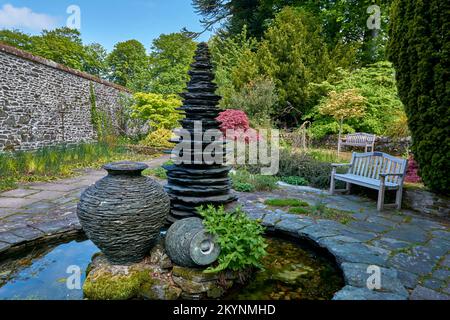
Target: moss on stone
(102,285)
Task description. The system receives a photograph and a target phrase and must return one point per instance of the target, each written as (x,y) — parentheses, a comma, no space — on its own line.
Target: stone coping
(52,64)
(352,256)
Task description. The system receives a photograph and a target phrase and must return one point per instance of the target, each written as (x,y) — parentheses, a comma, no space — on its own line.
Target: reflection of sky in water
(45,278)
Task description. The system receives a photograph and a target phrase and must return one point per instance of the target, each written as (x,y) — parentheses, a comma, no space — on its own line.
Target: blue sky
(102,21)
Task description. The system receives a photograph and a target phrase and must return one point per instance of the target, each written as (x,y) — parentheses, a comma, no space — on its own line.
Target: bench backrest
(360,138)
(371,164)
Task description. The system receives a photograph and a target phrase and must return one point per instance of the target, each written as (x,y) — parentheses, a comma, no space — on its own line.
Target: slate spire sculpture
(199,183)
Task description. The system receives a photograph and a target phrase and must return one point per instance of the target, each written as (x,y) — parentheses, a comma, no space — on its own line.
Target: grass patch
(57,162)
(286,203)
(318,211)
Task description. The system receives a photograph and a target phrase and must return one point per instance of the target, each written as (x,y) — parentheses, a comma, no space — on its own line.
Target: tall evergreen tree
(419,47)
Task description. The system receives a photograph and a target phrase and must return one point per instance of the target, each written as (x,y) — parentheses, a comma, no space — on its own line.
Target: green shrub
(159,139)
(419,49)
(243,180)
(301,165)
(243,187)
(294,180)
(286,203)
(241,239)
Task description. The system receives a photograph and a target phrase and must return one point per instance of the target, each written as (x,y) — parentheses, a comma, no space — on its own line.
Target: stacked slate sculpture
(191,185)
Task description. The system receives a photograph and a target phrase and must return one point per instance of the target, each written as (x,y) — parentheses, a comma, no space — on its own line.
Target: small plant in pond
(240,238)
(286,203)
(294,180)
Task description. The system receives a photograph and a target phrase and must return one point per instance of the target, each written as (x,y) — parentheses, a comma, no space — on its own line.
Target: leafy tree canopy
(170,59)
(128,63)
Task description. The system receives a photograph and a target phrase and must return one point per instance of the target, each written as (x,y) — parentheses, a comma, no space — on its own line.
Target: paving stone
(446,261)
(391,244)
(10,238)
(337,240)
(39,207)
(52,227)
(357,253)
(369,226)
(28,233)
(360,235)
(446,290)
(409,280)
(293,225)
(433,249)
(6,212)
(18,193)
(427,224)
(4,246)
(382,221)
(255,214)
(271,218)
(441,234)
(422,293)
(46,195)
(434,284)
(441,274)
(53,187)
(15,203)
(417,263)
(315,232)
(356,275)
(354,293)
(360,216)
(407,233)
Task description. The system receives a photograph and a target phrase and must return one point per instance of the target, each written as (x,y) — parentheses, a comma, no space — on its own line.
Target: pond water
(291,272)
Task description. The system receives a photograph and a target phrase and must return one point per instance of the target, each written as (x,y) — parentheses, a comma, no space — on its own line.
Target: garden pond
(291,272)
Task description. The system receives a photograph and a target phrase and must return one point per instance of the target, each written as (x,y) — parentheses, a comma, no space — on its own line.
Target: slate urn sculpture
(197,183)
(124,212)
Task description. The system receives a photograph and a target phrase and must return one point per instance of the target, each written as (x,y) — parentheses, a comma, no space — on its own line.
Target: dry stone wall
(43,103)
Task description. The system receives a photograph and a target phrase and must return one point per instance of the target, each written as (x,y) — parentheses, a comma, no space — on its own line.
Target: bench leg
(380,203)
(332,183)
(348,187)
(398,198)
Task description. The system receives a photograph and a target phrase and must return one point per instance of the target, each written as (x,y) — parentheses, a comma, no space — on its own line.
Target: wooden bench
(375,170)
(358,139)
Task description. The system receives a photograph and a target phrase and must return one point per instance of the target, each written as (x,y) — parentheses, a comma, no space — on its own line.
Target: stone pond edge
(352,256)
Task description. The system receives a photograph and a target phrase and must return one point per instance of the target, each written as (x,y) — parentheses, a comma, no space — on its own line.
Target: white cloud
(12,17)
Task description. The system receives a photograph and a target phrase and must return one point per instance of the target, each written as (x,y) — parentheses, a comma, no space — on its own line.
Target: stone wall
(43,103)
(384,144)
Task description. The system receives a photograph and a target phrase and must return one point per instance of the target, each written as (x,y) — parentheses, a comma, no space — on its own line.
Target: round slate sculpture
(124,212)
(189,245)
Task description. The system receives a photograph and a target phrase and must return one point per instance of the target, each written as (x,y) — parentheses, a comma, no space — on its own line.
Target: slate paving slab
(357,275)
(408,233)
(355,293)
(15,203)
(422,293)
(18,193)
(417,263)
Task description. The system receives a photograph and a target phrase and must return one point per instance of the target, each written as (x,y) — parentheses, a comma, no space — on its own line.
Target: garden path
(413,247)
(46,209)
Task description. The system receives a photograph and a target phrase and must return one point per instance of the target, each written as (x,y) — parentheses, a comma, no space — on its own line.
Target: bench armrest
(335,165)
(391,174)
